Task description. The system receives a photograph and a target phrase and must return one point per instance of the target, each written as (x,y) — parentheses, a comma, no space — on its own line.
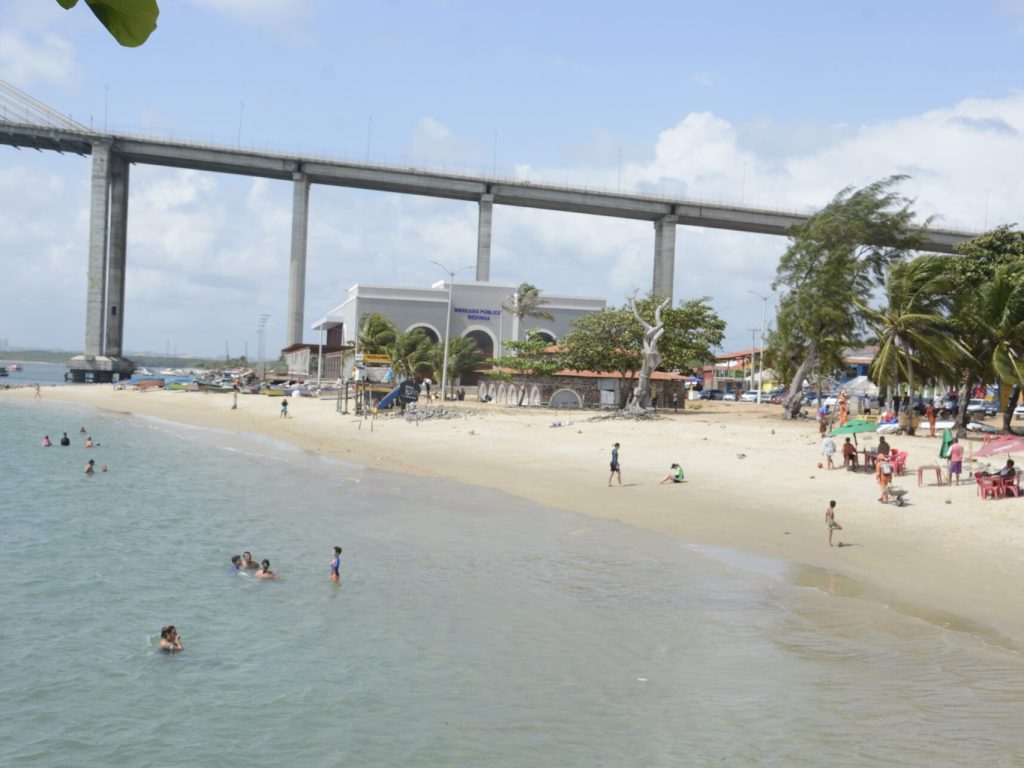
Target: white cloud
(28,57)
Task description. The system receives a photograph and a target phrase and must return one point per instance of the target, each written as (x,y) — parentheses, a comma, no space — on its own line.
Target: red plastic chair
(992,488)
(899,461)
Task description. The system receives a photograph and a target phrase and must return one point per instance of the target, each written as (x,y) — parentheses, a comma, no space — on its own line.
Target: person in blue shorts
(336,565)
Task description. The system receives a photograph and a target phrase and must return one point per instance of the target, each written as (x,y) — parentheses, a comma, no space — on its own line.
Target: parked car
(980,406)
(712,394)
(777,395)
(750,396)
(729,396)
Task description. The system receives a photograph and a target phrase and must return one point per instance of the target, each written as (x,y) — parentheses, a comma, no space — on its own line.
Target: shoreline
(948,555)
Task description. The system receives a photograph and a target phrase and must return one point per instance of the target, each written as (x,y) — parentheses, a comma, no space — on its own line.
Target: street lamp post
(764,317)
(447,323)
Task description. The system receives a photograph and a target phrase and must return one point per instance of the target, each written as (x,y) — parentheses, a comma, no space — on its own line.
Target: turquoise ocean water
(470,628)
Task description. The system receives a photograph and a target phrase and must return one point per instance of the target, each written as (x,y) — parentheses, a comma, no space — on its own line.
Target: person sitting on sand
(675,476)
(849,456)
(46,441)
(65,441)
(90,468)
(264,572)
(248,564)
(170,641)
(830,522)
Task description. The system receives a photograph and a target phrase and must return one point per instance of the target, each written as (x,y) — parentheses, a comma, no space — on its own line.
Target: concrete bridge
(113,154)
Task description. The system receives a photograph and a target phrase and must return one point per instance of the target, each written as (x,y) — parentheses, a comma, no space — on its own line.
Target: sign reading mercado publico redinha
(477,314)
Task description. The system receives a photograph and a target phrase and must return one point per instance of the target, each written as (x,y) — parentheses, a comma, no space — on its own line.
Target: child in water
(336,565)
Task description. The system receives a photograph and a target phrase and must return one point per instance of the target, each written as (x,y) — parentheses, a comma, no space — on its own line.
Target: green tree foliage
(131,22)
(912,326)
(411,353)
(530,358)
(612,340)
(376,334)
(987,274)
(834,259)
(464,356)
(526,302)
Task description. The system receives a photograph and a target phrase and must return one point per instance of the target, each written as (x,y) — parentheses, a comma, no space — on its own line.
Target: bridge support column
(664,256)
(104,296)
(117,254)
(483,239)
(297,275)
(99,217)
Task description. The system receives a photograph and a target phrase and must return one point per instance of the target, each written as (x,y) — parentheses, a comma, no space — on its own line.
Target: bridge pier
(483,239)
(664,256)
(105,280)
(297,273)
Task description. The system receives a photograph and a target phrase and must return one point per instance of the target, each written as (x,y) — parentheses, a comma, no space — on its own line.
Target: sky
(779,105)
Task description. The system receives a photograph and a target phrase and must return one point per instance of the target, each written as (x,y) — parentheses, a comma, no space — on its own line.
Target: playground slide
(389,399)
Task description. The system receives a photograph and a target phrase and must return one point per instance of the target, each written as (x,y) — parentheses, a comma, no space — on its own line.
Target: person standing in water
(90,468)
(830,522)
(336,565)
(616,469)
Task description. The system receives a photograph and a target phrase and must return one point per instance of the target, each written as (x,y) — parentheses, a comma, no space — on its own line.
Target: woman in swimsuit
(265,572)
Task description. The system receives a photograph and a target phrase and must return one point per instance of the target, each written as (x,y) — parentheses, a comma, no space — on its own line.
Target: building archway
(565,398)
(484,339)
(535,395)
(428,330)
(545,334)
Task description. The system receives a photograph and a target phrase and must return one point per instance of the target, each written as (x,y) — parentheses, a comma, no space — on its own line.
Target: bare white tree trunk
(640,400)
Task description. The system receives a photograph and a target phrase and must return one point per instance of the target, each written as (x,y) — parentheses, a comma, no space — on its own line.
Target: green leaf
(131,22)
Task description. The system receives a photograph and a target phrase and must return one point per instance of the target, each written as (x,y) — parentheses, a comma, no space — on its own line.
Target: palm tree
(376,333)
(411,353)
(912,323)
(464,356)
(526,302)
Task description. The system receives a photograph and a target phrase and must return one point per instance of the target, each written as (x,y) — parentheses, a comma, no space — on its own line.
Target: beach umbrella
(854,427)
(1001,445)
(947,440)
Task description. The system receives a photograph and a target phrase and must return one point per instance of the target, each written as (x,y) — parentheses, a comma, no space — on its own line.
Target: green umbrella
(947,440)
(854,427)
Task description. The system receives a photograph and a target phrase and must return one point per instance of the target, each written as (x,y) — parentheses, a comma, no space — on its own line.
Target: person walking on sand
(883,471)
(828,447)
(284,408)
(844,408)
(956,461)
(39,394)
(830,522)
(616,469)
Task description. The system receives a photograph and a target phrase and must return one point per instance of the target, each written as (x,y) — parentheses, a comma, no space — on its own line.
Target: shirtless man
(830,522)
(90,468)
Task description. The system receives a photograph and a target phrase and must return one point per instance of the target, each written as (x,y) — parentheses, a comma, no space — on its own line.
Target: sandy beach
(752,485)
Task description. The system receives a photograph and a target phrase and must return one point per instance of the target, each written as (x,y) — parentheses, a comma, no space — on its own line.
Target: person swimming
(170,641)
(264,572)
(336,565)
(236,563)
(89,443)
(65,441)
(248,564)
(90,468)
(81,430)
(46,441)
